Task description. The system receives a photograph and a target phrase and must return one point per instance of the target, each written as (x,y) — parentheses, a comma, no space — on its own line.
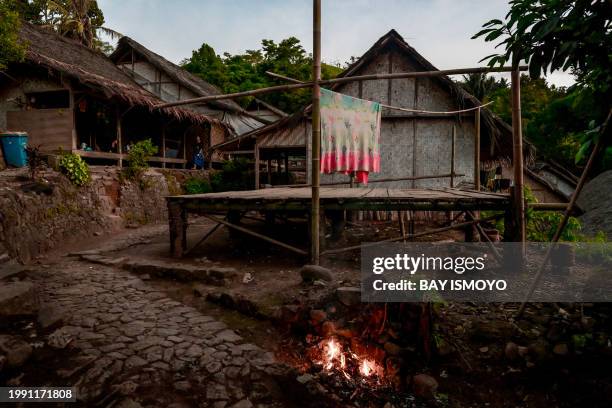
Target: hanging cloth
(350,135)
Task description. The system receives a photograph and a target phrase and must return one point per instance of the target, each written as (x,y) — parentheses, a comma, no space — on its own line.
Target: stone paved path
(139,339)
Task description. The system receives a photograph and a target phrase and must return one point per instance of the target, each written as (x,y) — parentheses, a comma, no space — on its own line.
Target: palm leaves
(81,20)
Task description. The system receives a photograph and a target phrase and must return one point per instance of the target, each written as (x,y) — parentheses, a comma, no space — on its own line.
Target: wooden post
(517,159)
(287,168)
(256,167)
(477,151)
(119,139)
(316,131)
(185,148)
(270,171)
(177,224)
(163,135)
(452,163)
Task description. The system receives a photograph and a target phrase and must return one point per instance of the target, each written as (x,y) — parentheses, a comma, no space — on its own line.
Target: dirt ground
(558,355)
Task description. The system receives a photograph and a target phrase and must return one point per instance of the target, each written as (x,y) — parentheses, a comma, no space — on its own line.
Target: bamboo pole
(567,213)
(119,138)
(517,159)
(371,77)
(352,180)
(255,234)
(477,151)
(409,236)
(256,167)
(316,132)
(452,163)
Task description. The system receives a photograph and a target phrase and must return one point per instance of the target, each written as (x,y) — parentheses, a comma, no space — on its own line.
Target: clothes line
(435,112)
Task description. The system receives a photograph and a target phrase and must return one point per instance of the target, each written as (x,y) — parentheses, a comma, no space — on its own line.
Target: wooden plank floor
(347,198)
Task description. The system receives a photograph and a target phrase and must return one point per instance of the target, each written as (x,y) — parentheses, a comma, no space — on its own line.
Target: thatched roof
(185,78)
(92,69)
(493,125)
(496,128)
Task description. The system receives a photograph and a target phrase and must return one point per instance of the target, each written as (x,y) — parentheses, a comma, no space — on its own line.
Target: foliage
(138,158)
(235,175)
(567,35)
(75,168)
(242,72)
(197,185)
(554,118)
(11,49)
(35,160)
(81,20)
(481,85)
(542,225)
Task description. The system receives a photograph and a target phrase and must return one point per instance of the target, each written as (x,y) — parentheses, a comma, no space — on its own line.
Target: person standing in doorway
(198,154)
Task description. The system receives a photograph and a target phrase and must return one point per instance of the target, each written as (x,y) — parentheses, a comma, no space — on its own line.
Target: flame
(335,358)
(366,368)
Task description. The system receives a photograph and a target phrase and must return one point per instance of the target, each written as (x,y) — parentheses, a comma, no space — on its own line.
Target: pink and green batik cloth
(350,135)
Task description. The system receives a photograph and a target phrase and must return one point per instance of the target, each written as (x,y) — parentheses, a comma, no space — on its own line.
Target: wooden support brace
(177,224)
(256,235)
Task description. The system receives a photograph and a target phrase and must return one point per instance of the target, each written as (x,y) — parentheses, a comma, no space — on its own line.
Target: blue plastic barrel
(14,147)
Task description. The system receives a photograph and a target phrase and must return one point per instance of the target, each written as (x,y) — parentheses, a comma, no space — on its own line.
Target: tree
(241,72)
(567,35)
(481,86)
(11,49)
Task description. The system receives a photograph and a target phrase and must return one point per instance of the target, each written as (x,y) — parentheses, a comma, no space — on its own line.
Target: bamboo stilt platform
(331,198)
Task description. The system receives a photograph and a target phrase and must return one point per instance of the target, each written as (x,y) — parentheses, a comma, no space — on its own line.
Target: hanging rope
(434,112)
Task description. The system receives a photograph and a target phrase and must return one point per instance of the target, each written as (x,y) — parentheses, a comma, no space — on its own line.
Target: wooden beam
(316,133)
(409,236)
(569,209)
(163,137)
(256,167)
(371,77)
(257,235)
(452,161)
(477,151)
(119,138)
(517,159)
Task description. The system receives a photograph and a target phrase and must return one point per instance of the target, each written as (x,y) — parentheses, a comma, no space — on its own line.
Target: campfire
(334,359)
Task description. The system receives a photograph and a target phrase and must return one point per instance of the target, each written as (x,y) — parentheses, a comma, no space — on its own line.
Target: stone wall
(35,218)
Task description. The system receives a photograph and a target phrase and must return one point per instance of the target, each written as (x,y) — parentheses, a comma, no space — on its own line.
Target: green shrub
(138,158)
(75,168)
(235,175)
(197,185)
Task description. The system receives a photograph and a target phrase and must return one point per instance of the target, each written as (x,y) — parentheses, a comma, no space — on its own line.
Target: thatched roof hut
(92,69)
(170,83)
(66,95)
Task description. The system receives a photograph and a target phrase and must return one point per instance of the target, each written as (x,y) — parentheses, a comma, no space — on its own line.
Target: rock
(215,391)
(18,299)
(561,349)
(317,316)
(511,351)
(484,349)
(128,403)
(16,350)
(135,361)
(50,318)
(182,386)
(311,273)
(349,296)
(539,350)
(392,348)
(424,386)
(328,328)
(245,403)
(305,378)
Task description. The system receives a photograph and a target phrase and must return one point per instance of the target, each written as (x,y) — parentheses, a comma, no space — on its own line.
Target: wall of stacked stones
(35,219)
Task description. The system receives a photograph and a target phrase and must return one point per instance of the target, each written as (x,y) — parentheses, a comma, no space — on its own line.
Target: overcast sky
(439,29)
